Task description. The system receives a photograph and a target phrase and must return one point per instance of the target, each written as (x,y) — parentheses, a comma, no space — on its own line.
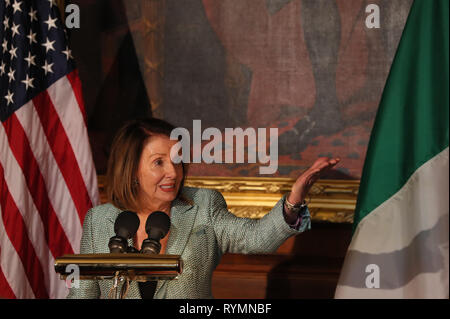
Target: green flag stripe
(411,125)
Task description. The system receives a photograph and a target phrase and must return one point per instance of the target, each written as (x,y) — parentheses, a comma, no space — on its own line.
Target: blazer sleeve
(251,236)
(88,289)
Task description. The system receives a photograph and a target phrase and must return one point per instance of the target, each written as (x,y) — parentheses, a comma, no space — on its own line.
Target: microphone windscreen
(157,225)
(126,224)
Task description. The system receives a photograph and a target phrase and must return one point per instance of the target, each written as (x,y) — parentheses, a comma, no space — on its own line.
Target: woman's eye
(158,162)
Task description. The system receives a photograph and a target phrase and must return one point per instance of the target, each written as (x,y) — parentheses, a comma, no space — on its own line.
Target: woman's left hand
(304,182)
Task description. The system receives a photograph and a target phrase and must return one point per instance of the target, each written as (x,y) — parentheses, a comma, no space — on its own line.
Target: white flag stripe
(16,183)
(425,285)
(70,115)
(60,198)
(416,207)
(12,266)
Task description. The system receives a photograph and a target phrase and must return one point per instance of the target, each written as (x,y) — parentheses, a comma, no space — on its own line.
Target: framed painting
(313,70)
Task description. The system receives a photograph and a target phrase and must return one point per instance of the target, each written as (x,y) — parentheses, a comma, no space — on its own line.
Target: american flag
(47,176)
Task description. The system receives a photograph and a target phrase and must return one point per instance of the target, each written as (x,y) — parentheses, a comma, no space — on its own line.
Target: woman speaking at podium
(141,177)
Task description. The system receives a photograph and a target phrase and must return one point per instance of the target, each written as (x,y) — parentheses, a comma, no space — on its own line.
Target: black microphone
(157,226)
(125,226)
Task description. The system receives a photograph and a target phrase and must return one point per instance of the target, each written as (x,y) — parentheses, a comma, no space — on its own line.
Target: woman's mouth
(167,188)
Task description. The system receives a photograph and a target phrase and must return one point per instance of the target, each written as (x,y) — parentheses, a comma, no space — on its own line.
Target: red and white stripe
(47,184)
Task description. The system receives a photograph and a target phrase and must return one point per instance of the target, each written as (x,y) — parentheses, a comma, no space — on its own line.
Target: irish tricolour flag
(400,242)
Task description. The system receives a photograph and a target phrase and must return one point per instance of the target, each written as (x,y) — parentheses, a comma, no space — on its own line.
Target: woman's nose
(171,170)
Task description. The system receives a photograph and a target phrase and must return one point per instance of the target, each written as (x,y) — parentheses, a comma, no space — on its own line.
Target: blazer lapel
(112,219)
(182,218)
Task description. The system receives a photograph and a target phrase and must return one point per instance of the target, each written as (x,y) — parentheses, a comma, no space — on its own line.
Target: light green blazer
(201,233)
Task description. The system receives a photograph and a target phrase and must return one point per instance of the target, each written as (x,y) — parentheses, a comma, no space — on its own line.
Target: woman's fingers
(334,161)
(310,176)
(320,166)
(326,163)
(323,164)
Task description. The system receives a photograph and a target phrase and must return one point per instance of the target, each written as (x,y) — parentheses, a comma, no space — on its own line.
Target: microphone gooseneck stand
(114,292)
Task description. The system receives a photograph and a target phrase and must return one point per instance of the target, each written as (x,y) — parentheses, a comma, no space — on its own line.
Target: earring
(135,182)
